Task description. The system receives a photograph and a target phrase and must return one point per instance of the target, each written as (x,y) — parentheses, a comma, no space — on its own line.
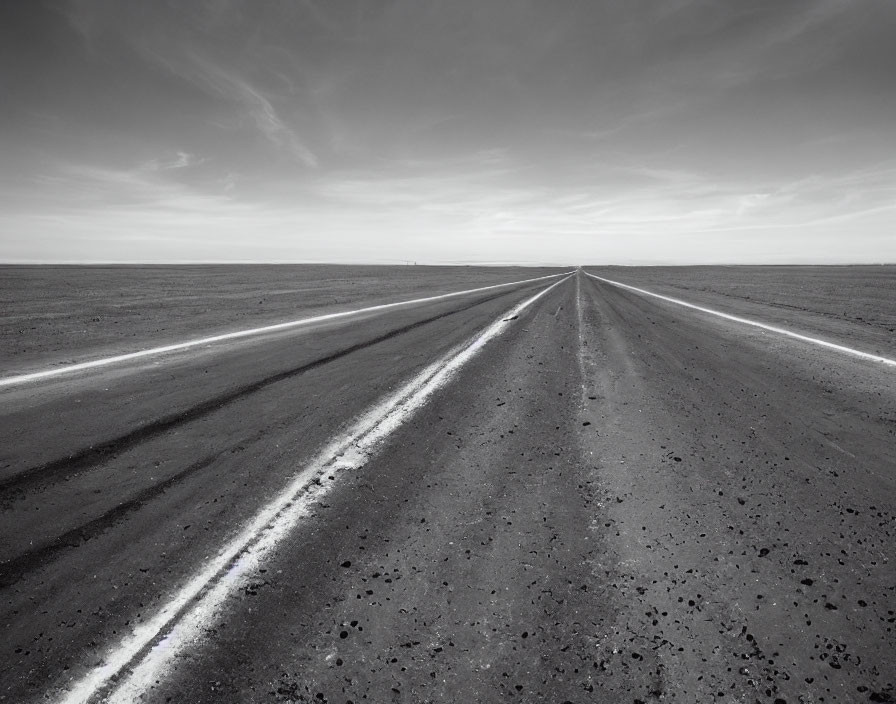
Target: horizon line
(197,262)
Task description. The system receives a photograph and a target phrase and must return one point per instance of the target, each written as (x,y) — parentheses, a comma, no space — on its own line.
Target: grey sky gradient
(665,131)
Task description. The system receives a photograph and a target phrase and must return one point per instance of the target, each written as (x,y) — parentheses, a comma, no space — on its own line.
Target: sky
(457,131)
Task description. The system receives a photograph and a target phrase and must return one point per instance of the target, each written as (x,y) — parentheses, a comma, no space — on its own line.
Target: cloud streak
(227,84)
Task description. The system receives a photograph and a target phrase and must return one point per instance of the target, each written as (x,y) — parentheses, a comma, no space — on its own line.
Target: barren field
(856,302)
(561,490)
(56,314)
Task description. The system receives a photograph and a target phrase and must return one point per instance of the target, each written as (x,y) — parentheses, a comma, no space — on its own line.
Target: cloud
(269,123)
(215,79)
(181,160)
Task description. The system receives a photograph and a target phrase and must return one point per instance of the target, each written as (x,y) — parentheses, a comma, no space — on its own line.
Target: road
(559,491)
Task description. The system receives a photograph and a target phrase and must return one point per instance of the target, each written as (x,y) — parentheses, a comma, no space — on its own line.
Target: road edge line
(27,377)
(747,321)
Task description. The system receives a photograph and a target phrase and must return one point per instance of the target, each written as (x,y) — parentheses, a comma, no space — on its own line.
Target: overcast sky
(550,131)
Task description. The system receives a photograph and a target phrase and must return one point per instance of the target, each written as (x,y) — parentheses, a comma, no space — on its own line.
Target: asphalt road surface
(559,491)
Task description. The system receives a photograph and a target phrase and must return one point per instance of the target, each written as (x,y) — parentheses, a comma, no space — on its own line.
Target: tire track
(38,477)
(15,568)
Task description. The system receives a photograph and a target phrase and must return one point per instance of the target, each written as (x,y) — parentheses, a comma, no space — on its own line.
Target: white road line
(754,323)
(142,659)
(166,349)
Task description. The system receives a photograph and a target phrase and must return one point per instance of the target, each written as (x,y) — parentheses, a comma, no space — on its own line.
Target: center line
(140,660)
(754,323)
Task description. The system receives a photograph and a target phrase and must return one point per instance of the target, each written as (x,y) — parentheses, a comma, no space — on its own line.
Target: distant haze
(467,131)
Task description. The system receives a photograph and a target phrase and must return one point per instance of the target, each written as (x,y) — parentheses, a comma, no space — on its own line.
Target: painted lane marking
(166,349)
(754,323)
(142,659)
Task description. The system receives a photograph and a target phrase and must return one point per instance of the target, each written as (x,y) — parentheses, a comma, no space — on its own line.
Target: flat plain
(562,490)
(854,302)
(54,314)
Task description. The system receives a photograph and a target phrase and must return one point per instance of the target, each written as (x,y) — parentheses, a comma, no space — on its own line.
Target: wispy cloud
(269,122)
(181,160)
(227,83)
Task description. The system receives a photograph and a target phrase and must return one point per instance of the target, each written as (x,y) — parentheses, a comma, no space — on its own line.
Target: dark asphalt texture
(616,500)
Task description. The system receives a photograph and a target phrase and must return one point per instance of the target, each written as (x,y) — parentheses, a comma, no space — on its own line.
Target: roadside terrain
(846,302)
(73,313)
(614,498)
